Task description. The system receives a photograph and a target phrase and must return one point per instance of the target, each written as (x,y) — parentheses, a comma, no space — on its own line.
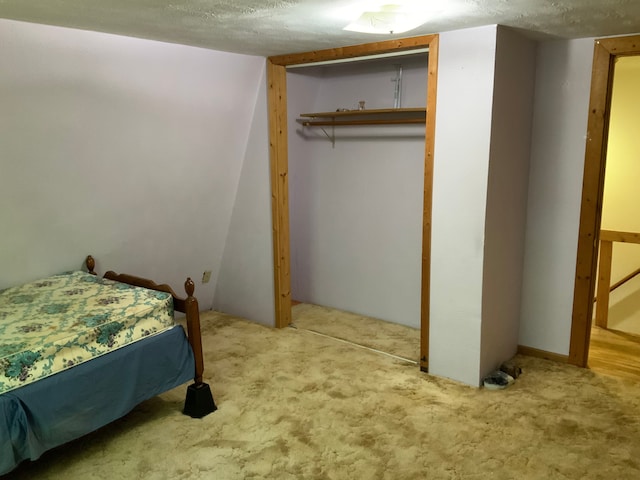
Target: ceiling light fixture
(387,19)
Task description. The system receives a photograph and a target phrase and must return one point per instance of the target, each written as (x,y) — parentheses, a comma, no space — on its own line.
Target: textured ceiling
(272,27)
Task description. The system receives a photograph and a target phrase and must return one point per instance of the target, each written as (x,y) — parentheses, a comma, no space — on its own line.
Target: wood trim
(591,209)
(278,152)
(625,279)
(604,282)
(622,281)
(607,237)
(615,236)
(605,52)
(534,352)
(620,46)
(429,145)
(278,149)
(354,51)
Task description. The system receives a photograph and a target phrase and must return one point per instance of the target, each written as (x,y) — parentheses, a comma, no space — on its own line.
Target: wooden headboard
(188,306)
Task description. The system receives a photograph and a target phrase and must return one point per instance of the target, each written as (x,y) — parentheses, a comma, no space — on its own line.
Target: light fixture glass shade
(387,19)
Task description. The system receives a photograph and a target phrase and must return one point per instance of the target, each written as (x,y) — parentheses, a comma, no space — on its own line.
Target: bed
(78,351)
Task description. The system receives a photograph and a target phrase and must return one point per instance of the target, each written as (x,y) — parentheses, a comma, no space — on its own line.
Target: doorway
(615,337)
(605,54)
(278,144)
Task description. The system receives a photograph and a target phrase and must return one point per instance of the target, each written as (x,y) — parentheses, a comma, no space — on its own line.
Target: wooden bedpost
(91,264)
(199,401)
(193,329)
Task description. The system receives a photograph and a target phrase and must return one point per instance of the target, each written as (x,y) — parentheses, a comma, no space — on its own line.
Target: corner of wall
(461,161)
(245,283)
(561,104)
(507,187)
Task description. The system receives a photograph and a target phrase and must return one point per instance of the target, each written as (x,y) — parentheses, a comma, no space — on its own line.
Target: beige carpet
(295,405)
(387,337)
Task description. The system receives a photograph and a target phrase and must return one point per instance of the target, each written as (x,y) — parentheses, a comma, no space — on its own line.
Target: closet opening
(352,223)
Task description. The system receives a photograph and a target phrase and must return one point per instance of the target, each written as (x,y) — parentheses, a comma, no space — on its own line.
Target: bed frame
(199,401)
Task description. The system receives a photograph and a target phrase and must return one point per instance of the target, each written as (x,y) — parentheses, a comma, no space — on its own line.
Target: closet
(356,168)
(351,162)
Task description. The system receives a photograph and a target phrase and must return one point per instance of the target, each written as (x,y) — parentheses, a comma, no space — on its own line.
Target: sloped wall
(127,149)
(245,283)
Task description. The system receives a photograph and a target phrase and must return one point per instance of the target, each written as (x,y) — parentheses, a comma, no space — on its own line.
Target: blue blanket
(72,403)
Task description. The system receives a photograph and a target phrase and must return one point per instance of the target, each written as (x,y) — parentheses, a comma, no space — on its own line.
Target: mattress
(53,324)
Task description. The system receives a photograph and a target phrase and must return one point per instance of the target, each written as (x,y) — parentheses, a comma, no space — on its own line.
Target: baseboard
(534,352)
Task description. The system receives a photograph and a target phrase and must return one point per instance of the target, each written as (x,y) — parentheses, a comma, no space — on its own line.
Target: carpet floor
(391,338)
(297,405)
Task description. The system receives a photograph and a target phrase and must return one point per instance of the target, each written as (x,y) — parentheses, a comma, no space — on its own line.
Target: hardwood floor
(615,353)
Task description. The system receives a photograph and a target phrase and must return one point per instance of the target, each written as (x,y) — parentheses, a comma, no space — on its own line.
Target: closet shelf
(385,116)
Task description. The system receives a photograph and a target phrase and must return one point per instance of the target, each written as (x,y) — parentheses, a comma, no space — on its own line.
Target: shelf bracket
(331,137)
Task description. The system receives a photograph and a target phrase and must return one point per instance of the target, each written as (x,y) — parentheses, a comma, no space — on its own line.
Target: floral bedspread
(53,324)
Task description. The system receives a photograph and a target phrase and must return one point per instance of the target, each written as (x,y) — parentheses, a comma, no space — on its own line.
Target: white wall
(507,197)
(128,149)
(563,78)
(94,126)
(356,209)
(245,283)
(462,147)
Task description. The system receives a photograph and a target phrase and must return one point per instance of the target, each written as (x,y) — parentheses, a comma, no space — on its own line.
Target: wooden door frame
(605,53)
(278,151)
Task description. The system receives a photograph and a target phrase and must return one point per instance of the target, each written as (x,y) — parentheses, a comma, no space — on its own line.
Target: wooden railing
(607,237)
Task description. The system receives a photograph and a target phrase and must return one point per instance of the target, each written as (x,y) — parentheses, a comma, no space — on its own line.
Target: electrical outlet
(206,276)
